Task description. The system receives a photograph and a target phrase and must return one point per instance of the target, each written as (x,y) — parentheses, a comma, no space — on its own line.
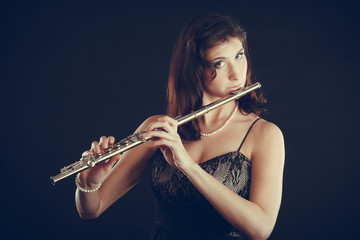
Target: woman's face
(230,64)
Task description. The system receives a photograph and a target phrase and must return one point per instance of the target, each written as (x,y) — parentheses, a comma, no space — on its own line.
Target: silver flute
(137,139)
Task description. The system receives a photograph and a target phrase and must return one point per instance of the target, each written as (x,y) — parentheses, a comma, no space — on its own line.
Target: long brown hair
(188,65)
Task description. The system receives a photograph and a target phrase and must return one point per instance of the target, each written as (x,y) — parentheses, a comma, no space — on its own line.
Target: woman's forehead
(222,49)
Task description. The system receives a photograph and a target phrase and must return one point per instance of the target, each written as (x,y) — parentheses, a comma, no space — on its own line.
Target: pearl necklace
(223,126)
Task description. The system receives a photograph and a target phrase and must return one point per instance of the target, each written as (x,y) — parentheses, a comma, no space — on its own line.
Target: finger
(111,140)
(160,125)
(164,143)
(170,120)
(152,125)
(95,147)
(86,153)
(173,124)
(103,142)
(156,135)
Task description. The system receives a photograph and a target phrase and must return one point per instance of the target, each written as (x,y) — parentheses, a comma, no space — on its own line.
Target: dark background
(74,71)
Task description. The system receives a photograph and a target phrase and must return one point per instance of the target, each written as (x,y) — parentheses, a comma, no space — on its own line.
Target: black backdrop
(73,71)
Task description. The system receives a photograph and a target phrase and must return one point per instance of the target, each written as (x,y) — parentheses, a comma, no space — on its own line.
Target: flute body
(137,139)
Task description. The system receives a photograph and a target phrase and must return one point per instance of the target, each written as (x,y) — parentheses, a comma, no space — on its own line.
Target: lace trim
(170,185)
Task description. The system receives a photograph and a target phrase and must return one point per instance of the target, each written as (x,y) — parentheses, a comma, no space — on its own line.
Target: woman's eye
(219,64)
(240,56)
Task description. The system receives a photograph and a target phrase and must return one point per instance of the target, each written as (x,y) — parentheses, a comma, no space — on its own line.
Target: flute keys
(90,163)
(124,142)
(140,137)
(91,160)
(105,151)
(88,160)
(136,139)
(133,138)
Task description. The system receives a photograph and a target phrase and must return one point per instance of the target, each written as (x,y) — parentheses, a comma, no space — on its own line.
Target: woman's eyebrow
(218,58)
(241,50)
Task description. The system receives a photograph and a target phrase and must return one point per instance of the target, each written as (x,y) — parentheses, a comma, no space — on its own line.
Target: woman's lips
(235,88)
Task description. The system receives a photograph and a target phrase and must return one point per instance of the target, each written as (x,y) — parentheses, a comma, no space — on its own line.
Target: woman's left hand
(169,141)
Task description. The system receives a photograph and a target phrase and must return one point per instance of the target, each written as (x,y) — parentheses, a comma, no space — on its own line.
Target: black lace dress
(182,212)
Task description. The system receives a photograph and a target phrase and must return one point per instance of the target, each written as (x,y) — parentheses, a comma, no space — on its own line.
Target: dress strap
(247,133)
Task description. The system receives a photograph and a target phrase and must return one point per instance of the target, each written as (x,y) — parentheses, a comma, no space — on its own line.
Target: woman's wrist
(190,169)
(85,187)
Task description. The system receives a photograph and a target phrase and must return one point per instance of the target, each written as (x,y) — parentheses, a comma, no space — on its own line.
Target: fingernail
(146,136)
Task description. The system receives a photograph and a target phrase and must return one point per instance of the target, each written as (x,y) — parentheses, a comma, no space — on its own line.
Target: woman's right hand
(92,177)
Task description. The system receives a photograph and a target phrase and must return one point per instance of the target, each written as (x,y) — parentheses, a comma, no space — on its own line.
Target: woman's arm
(256,216)
(115,181)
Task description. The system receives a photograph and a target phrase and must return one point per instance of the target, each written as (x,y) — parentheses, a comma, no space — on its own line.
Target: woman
(219,177)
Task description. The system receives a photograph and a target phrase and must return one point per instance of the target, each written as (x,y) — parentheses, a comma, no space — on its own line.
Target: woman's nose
(234,72)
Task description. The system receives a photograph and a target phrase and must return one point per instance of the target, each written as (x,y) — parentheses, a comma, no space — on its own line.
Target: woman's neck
(217,116)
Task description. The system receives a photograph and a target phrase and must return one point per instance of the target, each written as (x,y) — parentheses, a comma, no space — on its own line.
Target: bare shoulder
(265,129)
(268,139)
(268,158)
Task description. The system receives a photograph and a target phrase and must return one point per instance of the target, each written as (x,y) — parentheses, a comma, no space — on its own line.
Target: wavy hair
(188,64)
